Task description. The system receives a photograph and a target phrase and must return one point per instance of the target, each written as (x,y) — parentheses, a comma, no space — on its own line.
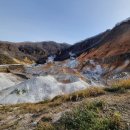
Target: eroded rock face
(38,89)
(8,80)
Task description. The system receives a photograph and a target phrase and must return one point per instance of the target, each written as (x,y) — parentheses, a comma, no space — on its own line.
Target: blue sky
(59,20)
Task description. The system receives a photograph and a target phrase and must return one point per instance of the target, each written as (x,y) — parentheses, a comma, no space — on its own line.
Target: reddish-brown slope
(117,42)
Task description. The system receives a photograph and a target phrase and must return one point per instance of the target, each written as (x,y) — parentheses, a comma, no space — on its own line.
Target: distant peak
(124,21)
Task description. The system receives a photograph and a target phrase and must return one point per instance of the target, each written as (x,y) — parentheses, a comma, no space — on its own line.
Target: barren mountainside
(29,51)
(116,43)
(82,46)
(109,43)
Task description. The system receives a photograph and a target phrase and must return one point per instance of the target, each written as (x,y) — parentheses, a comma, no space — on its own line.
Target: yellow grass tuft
(122,84)
(119,86)
(89,92)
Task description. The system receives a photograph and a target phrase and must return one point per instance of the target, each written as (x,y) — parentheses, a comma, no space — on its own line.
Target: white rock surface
(50,59)
(38,89)
(71,63)
(95,72)
(8,80)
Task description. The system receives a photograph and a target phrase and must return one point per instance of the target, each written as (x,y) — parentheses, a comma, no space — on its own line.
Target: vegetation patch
(120,86)
(90,117)
(123,84)
(89,92)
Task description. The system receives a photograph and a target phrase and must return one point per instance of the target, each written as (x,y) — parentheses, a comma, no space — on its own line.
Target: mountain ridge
(30,50)
(108,43)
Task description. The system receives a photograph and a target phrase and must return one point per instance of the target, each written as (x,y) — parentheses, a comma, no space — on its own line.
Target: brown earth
(117,42)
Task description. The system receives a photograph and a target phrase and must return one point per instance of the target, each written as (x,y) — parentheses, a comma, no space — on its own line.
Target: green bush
(89,117)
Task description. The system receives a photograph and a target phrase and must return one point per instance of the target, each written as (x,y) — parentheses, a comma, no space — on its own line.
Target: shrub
(89,117)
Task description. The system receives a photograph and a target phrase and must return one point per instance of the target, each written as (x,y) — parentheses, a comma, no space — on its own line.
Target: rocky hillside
(107,44)
(104,45)
(117,42)
(28,52)
(83,46)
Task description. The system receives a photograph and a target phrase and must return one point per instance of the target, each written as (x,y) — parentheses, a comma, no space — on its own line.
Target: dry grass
(123,84)
(23,61)
(89,92)
(10,126)
(24,108)
(119,86)
(2,117)
(6,59)
(45,126)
